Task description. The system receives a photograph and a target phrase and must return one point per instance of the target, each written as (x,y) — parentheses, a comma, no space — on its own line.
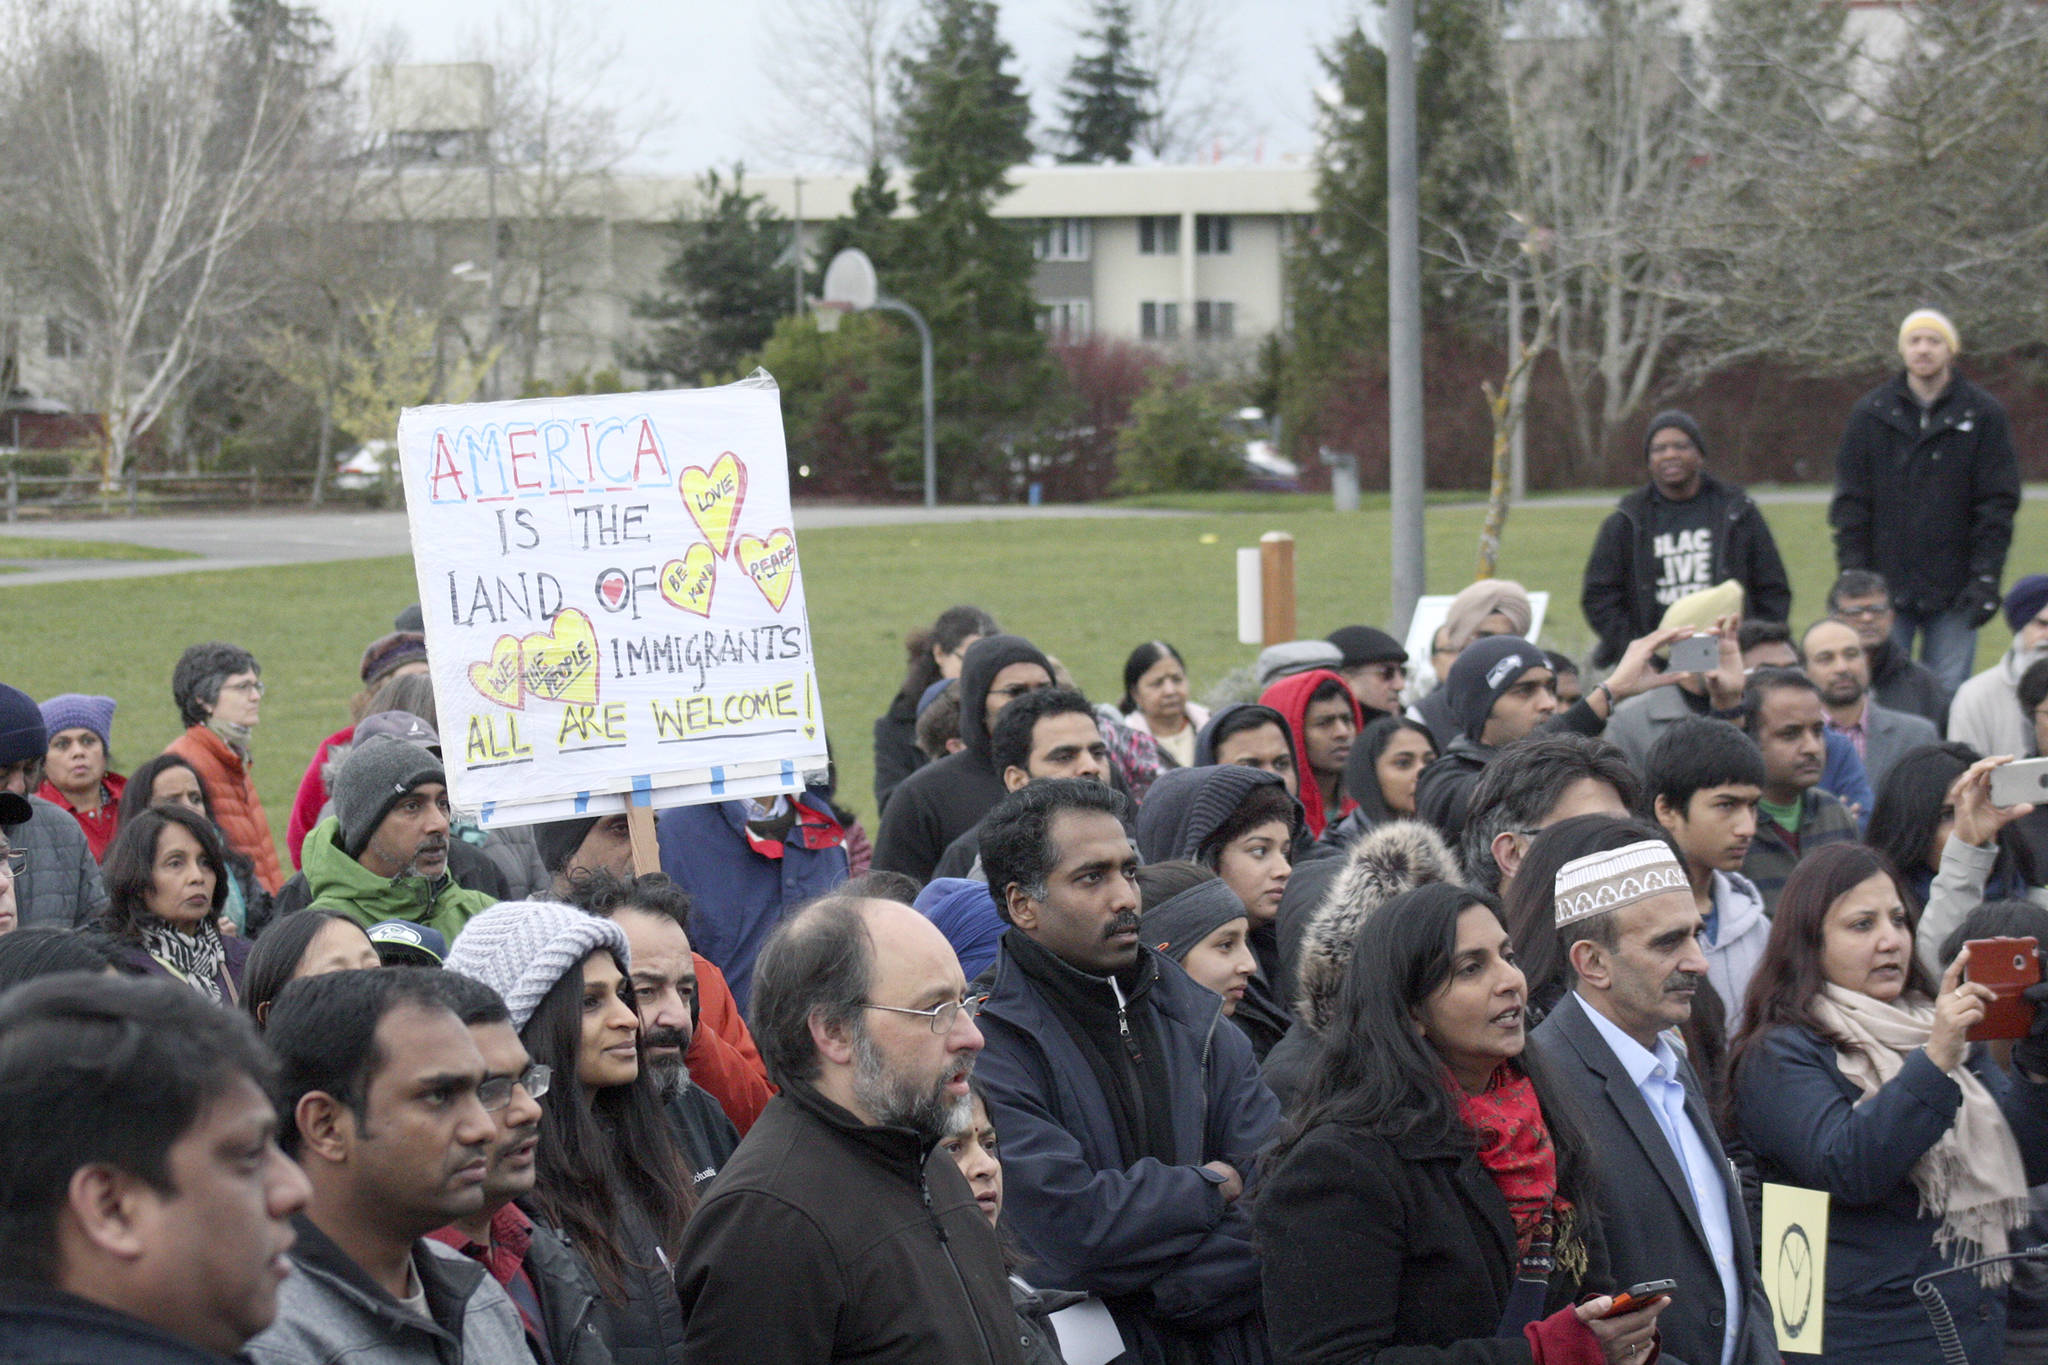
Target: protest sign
(615,612)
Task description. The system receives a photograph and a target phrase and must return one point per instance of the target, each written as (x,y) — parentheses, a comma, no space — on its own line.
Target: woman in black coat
(1853,1074)
(1426,1204)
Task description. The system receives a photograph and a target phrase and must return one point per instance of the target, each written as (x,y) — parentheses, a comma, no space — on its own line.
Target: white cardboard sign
(614,607)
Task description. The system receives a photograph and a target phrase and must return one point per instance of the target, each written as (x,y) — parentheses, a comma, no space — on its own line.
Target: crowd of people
(1384,1009)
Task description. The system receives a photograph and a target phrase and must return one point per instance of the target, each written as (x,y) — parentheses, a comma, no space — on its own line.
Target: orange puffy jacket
(235,807)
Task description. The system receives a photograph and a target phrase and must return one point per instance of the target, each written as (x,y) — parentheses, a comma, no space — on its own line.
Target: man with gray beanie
(59,883)
(383,854)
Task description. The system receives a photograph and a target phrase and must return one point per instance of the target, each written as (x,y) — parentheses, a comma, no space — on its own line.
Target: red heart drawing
(612,587)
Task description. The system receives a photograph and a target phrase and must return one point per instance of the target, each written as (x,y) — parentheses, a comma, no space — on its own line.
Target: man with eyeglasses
(546,1281)
(840,1229)
(55,881)
(1862,601)
(382,1100)
(1130,1114)
(14,813)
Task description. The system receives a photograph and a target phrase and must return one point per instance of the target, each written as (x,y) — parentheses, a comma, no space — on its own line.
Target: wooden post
(646,854)
(1276,585)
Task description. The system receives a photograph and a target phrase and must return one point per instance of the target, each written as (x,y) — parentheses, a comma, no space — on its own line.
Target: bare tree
(830,63)
(143,145)
(1185,47)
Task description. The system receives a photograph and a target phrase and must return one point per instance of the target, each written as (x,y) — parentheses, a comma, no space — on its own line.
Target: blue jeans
(1948,646)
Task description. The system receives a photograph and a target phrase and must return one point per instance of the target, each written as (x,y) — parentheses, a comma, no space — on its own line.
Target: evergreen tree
(723,289)
(1105,94)
(964,119)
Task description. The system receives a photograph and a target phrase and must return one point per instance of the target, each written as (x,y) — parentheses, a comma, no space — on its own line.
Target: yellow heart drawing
(714,498)
(562,664)
(771,563)
(498,678)
(687,582)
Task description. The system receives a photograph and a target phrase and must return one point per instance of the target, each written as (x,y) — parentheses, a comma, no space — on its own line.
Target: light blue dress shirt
(1656,1078)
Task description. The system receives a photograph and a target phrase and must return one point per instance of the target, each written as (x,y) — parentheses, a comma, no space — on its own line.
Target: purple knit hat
(77,711)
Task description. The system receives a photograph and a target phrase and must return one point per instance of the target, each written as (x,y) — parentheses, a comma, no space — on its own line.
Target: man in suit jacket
(1840,668)
(1673,1205)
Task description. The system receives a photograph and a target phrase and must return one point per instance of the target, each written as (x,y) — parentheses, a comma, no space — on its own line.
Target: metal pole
(1404,318)
(796,243)
(924,342)
(1518,446)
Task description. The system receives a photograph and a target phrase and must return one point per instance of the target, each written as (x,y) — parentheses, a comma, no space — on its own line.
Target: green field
(1085,590)
(37,547)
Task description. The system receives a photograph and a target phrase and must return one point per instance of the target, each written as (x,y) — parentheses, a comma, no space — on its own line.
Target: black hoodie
(941,801)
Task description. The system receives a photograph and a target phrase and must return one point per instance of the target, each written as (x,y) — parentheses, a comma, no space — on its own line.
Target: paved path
(241,540)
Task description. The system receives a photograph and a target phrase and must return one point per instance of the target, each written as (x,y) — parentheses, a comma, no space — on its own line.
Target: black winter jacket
(896,753)
(1926,499)
(647,1329)
(1619,595)
(827,1240)
(44,1326)
(568,1300)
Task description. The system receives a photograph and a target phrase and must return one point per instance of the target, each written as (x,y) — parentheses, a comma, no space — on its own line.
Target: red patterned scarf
(1514,1146)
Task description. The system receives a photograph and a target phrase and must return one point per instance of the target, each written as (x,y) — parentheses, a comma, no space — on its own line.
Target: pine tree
(1104,97)
(723,289)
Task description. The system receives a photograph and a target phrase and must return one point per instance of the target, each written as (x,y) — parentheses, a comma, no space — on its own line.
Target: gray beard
(896,1101)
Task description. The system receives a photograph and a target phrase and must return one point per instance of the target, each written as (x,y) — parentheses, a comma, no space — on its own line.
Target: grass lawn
(36,547)
(1085,590)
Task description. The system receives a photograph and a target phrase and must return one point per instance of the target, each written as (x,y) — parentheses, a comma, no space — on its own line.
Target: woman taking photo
(1156,701)
(935,656)
(612,1180)
(165,886)
(1422,1148)
(1853,1075)
(1386,761)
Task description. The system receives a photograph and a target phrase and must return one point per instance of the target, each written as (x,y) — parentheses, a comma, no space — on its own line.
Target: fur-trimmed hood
(1395,857)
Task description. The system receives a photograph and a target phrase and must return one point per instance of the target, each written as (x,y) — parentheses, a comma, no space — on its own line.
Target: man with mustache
(1782,712)
(383,854)
(382,1102)
(1130,1114)
(548,1282)
(1632,932)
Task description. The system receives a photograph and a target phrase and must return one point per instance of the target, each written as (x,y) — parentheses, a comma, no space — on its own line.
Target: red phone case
(2008,966)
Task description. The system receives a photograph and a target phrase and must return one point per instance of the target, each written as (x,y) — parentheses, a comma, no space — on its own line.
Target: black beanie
(1488,668)
(1367,645)
(1680,420)
(558,840)
(22,732)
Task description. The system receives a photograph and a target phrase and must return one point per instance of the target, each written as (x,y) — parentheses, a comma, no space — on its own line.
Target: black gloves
(1978,602)
(2030,1054)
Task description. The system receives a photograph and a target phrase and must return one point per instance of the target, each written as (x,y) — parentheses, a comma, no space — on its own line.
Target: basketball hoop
(827,313)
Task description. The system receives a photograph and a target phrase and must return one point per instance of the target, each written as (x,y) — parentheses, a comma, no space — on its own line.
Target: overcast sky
(704,60)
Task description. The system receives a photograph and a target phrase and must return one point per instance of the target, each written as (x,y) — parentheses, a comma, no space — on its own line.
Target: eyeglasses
(495,1093)
(1868,612)
(942,1015)
(16,861)
(254,687)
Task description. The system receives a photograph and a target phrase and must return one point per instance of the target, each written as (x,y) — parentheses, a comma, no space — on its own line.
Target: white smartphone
(1696,654)
(2026,780)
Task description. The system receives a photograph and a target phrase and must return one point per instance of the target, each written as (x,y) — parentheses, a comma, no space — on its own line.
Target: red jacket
(99,825)
(1289,697)
(722,1057)
(312,796)
(236,808)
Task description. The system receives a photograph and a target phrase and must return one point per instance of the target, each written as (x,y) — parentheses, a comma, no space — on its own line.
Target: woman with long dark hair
(1386,762)
(612,1180)
(934,655)
(309,942)
(1424,1195)
(166,879)
(1853,1074)
(1156,701)
(169,779)
(1916,813)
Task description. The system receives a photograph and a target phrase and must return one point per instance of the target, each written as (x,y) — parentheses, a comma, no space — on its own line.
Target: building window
(1159,321)
(1059,318)
(1212,234)
(61,340)
(1215,319)
(1061,239)
(1159,236)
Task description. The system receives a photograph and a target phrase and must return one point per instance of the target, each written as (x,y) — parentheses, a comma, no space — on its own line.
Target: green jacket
(338,882)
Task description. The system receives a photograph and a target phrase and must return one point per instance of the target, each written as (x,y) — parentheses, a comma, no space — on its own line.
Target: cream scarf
(1972,1178)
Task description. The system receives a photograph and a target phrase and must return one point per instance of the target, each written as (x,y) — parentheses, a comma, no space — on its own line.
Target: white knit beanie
(522,948)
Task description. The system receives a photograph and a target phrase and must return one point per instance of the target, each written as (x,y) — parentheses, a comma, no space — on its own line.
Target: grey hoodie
(1986,711)
(1740,930)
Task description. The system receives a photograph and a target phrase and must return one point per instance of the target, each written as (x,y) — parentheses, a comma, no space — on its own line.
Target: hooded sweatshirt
(1290,697)
(1986,711)
(1205,742)
(941,801)
(339,882)
(1735,941)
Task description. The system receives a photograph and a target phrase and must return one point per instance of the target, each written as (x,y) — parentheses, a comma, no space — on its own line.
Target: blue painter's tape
(582,802)
(485,816)
(643,790)
(788,773)
(718,781)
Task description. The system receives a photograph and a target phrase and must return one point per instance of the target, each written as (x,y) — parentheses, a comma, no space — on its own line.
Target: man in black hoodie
(941,801)
(1683,531)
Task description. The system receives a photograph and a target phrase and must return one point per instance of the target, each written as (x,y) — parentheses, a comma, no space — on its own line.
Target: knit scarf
(235,736)
(197,957)
(1515,1149)
(1972,1178)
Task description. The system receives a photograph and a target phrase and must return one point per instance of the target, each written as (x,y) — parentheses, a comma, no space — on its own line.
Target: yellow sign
(1795,1257)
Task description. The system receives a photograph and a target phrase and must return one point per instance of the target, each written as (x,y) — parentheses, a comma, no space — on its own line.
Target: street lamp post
(850,283)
